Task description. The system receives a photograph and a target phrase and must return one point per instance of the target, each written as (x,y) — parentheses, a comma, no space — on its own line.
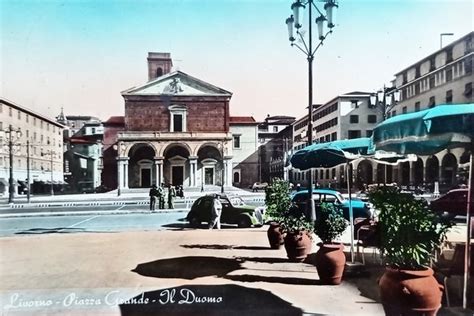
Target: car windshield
(236,201)
(339,197)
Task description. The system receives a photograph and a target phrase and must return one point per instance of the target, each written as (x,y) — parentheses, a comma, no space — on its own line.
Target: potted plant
(330,258)
(277,201)
(409,234)
(298,230)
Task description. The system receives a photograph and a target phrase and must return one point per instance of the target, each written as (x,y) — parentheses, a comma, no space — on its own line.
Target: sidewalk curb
(89,213)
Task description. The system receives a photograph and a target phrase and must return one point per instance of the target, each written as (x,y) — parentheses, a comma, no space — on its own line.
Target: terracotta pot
(330,262)
(410,292)
(275,235)
(297,245)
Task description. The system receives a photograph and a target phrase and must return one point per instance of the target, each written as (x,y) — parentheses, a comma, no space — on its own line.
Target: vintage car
(359,208)
(452,203)
(234,211)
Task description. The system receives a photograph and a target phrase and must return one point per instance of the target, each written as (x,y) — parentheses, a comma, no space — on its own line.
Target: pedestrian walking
(216,212)
(171,196)
(153,196)
(161,197)
(179,191)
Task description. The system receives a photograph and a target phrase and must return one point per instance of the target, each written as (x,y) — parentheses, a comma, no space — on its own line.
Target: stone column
(125,170)
(122,174)
(158,170)
(228,171)
(192,170)
(412,173)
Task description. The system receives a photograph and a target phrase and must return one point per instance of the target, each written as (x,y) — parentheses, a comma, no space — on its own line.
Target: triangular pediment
(177,83)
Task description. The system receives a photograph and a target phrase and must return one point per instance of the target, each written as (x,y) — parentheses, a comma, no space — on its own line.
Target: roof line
(31,112)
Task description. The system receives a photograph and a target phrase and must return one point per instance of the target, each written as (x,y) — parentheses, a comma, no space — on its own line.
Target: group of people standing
(158,194)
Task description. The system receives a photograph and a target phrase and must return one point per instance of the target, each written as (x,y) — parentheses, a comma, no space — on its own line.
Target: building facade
(346,116)
(245,167)
(272,145)
(442,78)
(38,149)
(176,131)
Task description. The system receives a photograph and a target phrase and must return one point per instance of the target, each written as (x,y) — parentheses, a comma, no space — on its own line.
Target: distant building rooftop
(242,120)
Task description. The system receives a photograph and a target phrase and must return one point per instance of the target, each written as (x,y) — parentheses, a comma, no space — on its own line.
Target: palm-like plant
(409,230)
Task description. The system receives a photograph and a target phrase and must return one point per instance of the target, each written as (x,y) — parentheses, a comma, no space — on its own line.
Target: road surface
(92,223)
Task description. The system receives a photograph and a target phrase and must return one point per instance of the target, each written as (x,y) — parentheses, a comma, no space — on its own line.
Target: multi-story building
(444,77)
(245,148)
(280,148)
(272,144)
(83,158)
(346,116)
(40,142)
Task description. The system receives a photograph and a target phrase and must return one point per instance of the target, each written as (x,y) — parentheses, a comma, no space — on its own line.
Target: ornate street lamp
(294,22)
(385,99)
(12,135)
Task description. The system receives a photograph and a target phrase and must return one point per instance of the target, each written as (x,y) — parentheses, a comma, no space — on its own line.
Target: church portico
(191,162)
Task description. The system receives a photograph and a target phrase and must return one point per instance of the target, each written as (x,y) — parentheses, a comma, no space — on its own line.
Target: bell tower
(159,64)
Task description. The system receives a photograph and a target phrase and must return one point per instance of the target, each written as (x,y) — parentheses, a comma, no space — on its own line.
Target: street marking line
(86,220)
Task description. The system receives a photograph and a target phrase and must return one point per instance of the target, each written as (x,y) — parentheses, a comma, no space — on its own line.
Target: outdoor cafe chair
(454,269)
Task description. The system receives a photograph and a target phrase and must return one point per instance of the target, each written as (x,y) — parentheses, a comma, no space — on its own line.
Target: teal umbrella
(428,132)
(331,154)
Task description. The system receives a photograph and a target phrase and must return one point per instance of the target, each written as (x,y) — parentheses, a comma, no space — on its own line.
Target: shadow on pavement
(208,300)
(186,226)
(253,248)
(215,247)
(224,247)
(265,259)
(33,231)
(271,279)
(188,267)
(177,226)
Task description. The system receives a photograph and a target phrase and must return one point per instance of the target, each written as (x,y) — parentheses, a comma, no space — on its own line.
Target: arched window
(159,72)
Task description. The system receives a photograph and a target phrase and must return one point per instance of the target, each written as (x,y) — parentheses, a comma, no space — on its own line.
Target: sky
(80,54)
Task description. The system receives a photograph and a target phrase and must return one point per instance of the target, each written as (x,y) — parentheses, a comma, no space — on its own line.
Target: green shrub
(294,223)
(330,223)
(409,230)
(277,199)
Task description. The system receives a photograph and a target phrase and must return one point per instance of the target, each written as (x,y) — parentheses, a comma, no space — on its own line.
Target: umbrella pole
(467,251)
(351,215)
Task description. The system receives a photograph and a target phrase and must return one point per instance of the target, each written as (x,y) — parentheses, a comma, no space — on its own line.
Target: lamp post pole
(307,49)
(441,38)
(223,168)
(28,187)
(52,175)
(11,188)
(9,132)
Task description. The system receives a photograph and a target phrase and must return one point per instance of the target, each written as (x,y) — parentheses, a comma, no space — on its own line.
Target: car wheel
(244,222)
(194,222)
